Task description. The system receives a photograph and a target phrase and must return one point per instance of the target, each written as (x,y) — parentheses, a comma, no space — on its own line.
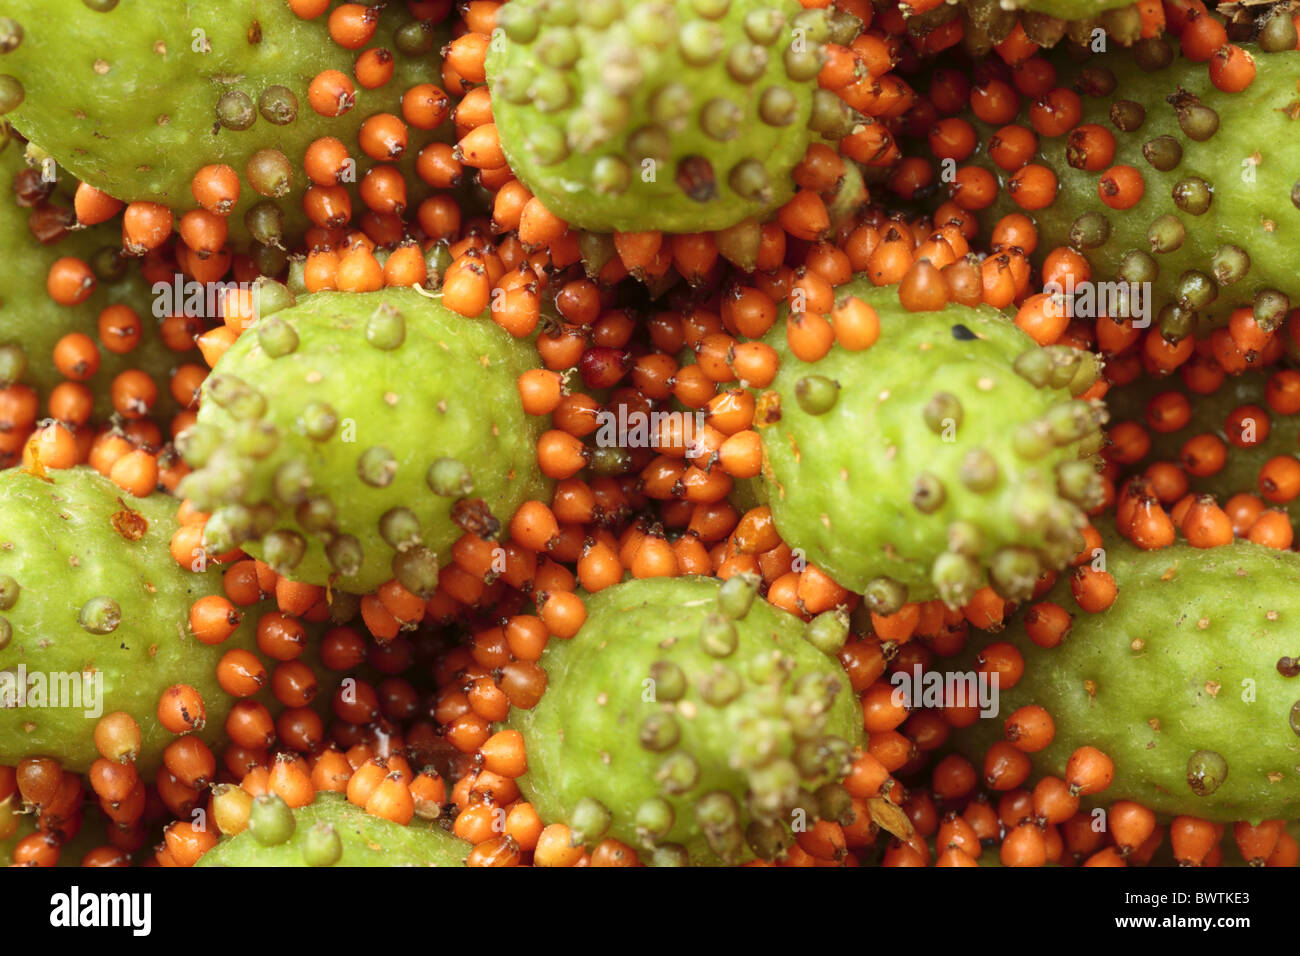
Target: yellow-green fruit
(134,98)
(692,720)
(1187,682)
(94,618)
(672,115)
(352,438)
(330,831)
(947,455)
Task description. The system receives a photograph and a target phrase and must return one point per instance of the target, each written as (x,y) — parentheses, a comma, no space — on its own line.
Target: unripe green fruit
(359,419)
(69,541)
(942,422)
(1178,682)
(668,738)
(1218,171)
(136,99)
(331,824)
(664,115)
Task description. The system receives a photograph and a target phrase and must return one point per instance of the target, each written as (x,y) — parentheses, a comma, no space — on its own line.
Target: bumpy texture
(127,99)
(689,727)
(675,115)
(319,427)
(938,461)
(1171,670)
(33,322)
(365,840)
(66,541)
(1217,221)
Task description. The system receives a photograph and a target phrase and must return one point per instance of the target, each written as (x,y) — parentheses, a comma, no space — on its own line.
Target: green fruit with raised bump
(1187,681)
(952,455)
(136,98)
(688,722)
(1214,227)
(94,618)
(352,438)
(672,115)
(330,831)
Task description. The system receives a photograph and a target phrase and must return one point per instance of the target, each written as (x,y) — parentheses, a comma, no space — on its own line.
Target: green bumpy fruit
(351,438)
(1258,434)
(363,840)
(690,718)
(1181,682)
(88,587)
(672,115)
(31,322)
(136,98)
(946,453)
(1216,225)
